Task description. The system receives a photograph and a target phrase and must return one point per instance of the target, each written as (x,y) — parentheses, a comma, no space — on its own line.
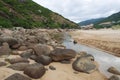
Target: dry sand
(108,40)
(62,72)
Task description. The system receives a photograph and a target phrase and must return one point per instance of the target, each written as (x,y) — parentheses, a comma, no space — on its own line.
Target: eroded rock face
(35,70)
(62,54)
(45,60)
(17,76)
(114,77)
(4,49)
(113,70)
(84,64)
(19,66)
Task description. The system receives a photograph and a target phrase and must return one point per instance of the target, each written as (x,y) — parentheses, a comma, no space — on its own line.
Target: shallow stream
(105,60)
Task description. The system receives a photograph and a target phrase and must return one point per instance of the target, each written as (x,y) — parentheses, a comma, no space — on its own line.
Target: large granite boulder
(27,53)
(45,60)
(4,49)
(113,70)
(13,43)
(62,54)
(43,37)
(114,77)
(84,64)
(19,66)
(18,76)
(35,70)
(40,49)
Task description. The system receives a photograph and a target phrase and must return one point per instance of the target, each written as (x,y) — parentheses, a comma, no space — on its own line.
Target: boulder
(84,64)
(60,46)
(18,66)
(45,60)
(22,48)
(40,49)
(113,70)
(3,64)
(82,53)
(52,67)
(13,43)
(114,77)
(89,56)
(33,57)
(75,42)
(62,54)
(17,60)
(32,39)
(18,76)
(27,53)
(43,37)
(35,70)
(66,62)
(5,50)
(15,52)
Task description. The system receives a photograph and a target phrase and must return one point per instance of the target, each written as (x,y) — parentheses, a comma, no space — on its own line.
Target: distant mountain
(114,17)
(91,21)
(109,21)
(28,14)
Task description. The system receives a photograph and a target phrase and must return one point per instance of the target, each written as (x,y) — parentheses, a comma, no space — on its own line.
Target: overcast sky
(80,10)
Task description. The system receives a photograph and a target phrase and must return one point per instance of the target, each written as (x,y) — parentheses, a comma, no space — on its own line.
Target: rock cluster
(42,47)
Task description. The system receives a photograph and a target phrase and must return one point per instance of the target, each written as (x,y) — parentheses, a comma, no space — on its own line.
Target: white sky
(80,10)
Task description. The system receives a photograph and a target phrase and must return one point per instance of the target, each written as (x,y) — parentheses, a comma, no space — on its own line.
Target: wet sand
(107,40)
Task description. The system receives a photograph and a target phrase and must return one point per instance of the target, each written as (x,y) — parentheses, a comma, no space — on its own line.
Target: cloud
(79,10)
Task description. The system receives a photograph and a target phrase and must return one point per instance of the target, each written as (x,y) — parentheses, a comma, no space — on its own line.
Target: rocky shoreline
(38,54)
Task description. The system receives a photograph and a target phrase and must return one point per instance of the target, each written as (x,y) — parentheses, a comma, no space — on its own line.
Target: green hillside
(110,21)
(113,17)
(28,14)
(91,21)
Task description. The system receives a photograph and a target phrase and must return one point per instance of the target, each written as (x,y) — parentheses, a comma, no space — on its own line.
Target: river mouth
(104,59)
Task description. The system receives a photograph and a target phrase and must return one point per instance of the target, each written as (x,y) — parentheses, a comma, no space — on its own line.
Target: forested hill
(28,14)
(109,21)
(91,21)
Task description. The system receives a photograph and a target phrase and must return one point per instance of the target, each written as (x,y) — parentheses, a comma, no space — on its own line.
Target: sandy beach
(62,72)
(105,39)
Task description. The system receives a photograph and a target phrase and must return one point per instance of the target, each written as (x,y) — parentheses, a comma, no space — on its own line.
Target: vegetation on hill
(28,14)
(108,22)
(116,27)
(91,21)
